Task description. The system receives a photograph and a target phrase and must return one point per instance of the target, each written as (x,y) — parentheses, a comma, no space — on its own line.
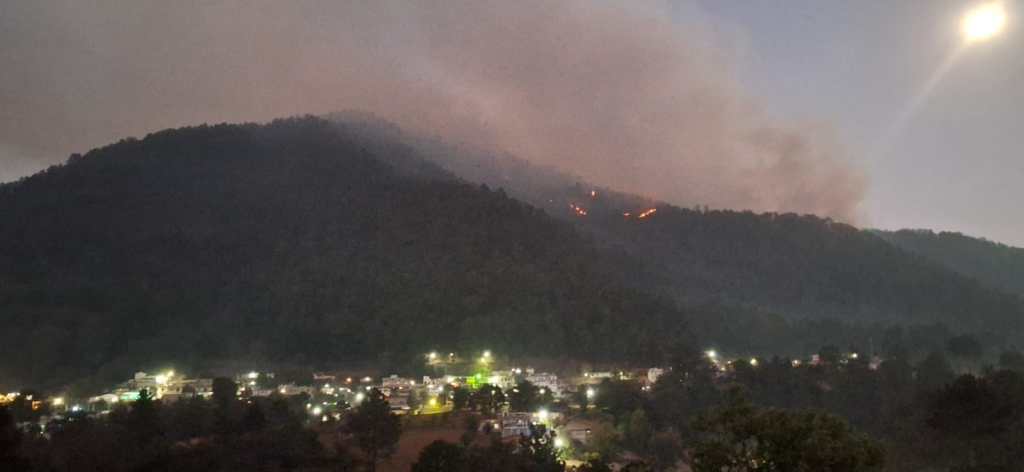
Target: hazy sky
(751,104)
(957,164)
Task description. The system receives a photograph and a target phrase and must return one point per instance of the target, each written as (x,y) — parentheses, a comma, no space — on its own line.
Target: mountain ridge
(993,263)
(835,267)
(288,242)
(312,242)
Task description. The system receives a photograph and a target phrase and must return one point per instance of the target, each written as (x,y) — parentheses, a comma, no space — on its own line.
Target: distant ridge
(994,264)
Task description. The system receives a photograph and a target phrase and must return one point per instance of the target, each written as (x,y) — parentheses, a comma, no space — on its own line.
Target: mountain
(293,242)
(801,266)
(324,242)
(994,264)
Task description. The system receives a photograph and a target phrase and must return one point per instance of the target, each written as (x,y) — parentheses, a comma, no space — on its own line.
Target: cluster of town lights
(436,394)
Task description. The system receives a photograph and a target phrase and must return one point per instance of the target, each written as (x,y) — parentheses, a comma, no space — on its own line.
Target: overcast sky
(792,106)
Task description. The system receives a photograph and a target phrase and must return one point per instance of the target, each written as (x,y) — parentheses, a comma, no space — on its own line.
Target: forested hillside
(321,242)
(291,242)
(993,264)
(811,267)
(801,266)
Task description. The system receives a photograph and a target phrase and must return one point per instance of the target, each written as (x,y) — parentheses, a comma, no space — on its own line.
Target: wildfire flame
(647,213)
(579,210)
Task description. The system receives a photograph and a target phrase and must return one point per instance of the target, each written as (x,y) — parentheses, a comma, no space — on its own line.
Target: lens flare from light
(984,21)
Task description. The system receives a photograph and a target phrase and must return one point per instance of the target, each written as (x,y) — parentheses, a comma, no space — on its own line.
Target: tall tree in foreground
(742,438)
(144,419)
(225,393)
(375,428)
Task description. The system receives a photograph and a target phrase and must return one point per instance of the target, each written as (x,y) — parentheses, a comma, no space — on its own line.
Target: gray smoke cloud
(621,94)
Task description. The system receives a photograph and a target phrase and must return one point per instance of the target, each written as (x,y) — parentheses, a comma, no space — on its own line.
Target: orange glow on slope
(647,213)
(579,210)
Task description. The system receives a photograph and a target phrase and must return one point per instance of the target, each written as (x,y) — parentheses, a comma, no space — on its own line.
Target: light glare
(984,21)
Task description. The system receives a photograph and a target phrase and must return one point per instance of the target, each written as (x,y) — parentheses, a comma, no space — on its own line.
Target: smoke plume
(625,95)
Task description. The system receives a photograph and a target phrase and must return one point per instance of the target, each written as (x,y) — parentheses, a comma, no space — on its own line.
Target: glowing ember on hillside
(647,213)
(579,210)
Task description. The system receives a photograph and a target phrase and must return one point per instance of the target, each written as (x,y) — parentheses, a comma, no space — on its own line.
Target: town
(511,400)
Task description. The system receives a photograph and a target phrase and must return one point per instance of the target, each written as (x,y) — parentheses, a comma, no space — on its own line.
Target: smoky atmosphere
(565,236)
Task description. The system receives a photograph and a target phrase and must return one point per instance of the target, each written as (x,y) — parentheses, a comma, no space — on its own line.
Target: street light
(590,393)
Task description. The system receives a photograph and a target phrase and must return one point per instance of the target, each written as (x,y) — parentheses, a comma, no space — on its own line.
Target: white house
(546,381)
